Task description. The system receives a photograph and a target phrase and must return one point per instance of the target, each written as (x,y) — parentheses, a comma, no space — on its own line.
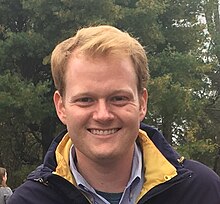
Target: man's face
(101,106)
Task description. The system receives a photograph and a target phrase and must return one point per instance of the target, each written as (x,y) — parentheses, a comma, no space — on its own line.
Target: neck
(3,184)
(110,176)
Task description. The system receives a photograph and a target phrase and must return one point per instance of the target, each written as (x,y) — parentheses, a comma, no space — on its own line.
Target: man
(107,155)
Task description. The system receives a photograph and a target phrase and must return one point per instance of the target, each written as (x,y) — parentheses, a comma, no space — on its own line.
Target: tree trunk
(167,129)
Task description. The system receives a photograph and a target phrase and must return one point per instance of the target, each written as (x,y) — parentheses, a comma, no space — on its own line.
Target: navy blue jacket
(194,183)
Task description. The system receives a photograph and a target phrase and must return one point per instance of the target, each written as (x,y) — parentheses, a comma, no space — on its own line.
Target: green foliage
(24,98)
(12,17)
(22,107)
(141,19)
(202,150)
(180,25)
(18,176)
(177,91)
(26,52)
(57,20)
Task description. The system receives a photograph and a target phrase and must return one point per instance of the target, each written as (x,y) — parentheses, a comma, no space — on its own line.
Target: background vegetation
(182,39)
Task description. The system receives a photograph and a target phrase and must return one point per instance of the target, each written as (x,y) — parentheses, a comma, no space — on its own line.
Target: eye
(120,100)
(84,101)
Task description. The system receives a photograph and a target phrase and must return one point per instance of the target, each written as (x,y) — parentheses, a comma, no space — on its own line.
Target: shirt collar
(136,171)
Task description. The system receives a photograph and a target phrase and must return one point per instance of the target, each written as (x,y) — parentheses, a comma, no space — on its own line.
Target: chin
(106,156)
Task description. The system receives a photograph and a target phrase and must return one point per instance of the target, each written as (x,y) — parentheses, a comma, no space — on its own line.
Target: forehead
(104,71)
(79,63)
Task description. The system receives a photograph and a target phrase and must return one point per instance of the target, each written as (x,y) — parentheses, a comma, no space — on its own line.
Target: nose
(103,111)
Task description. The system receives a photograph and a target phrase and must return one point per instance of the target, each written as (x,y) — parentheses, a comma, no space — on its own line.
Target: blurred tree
(182,42)
(211,14)
(22,107)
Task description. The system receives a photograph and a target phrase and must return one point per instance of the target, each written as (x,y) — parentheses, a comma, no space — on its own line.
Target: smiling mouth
(103,132)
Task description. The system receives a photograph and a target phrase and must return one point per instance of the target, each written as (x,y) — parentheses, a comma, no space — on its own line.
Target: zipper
(41,180)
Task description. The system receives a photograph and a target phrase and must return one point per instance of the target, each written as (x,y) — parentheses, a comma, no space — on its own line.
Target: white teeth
(103,132)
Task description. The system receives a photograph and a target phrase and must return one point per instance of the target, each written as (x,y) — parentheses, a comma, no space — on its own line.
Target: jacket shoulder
(204,174)
(205,182)
(32,192)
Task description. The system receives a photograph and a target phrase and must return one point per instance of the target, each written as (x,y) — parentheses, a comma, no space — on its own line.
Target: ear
(4,178)
(60,107)
(143,98)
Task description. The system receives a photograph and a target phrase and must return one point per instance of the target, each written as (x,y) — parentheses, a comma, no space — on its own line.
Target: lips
(103,132)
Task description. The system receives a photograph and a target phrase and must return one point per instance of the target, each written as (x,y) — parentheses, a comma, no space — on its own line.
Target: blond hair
(99,41)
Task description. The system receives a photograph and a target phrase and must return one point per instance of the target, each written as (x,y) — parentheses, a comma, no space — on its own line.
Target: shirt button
(167,177)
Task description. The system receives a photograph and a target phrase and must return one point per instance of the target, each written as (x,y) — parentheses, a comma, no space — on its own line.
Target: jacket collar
(157,168)
(160,160)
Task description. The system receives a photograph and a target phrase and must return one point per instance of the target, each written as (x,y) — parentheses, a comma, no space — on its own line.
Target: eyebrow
(91,94)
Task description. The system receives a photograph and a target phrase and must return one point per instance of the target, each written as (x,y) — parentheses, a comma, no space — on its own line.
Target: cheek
(131,116)
(73,112)
(133,111)
(76,118)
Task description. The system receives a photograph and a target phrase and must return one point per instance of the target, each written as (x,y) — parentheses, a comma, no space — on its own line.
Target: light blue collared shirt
(131,191)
